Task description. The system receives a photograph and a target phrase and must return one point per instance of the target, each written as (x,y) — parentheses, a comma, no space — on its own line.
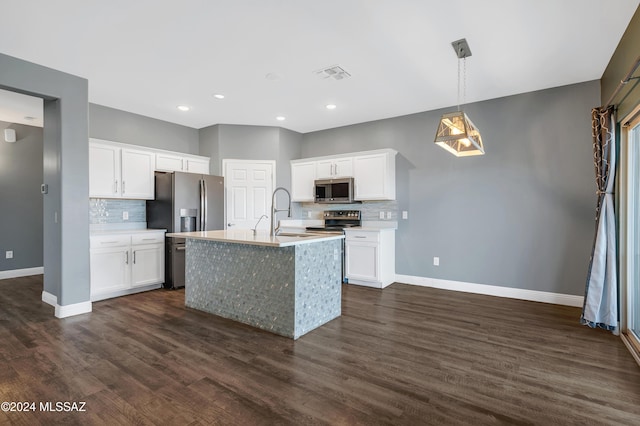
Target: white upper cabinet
(137,174)
(334,168)
(375,176)
(169,162)
(173,162)
(104,171)
(197,166)
(303,174)
(116,172)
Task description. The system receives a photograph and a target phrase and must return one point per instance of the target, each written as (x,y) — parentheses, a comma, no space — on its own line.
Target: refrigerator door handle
(201,205)
(206,204)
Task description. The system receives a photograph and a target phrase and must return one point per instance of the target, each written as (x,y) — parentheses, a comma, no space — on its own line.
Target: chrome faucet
(255,228)
(275,229)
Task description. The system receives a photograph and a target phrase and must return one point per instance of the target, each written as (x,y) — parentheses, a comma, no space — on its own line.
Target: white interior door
(248,188)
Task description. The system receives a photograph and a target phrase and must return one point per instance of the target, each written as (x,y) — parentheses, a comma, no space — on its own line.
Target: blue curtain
(600,307)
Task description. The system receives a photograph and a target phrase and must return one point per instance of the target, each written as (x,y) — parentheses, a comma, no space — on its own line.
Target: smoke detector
(336,72)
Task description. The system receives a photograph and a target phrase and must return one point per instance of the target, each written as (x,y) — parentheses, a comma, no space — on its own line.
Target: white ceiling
(148,56)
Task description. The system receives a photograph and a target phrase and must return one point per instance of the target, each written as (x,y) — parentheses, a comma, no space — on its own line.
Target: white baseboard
(66,310)
(492,290)
(73,309)
(49,298)
(17,273)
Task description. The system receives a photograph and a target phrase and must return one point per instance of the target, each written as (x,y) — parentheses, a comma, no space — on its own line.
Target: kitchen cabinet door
(104,171)
(147,264)
(303,176)
(324,169)
(361,261)
(197,166)
(370,257)
(169,162)
(110,270)
(375,176)
(137,174)
(334,168)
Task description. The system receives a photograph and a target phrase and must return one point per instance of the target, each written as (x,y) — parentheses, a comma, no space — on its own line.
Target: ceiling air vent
(336,72)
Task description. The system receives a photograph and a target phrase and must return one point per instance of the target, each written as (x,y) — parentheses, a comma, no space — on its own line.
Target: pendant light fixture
(456,133)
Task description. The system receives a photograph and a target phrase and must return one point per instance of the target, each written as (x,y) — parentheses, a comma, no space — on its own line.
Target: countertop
(262,238)
(124,231)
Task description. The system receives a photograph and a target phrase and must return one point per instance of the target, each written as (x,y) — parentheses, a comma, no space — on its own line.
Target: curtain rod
(624,81)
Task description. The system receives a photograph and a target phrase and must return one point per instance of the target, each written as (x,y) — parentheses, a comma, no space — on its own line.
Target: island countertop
(261,238)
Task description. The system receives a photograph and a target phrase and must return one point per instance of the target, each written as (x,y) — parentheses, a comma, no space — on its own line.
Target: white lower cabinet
(123,263)
(370,257)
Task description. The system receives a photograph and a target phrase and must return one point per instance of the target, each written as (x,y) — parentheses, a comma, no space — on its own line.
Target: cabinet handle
(335,168)
(148,239)
(134,257)
(126,261)
(359,236)
(115,187)
(122,187)
(181,248)
(108,242)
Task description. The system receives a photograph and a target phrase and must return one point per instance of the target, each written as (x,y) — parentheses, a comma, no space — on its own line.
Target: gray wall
(126,127)
(21,211)
(66,163)
(520,216)
(239,142)
(623,58)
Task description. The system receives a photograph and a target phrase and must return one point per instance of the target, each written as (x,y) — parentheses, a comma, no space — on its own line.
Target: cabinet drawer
(147,238)
(102,241)
(363,236)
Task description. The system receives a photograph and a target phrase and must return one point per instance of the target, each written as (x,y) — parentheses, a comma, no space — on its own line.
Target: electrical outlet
(388,215)
(405,214)
(309,214)
(125,215)
(381,215)
(436,261)
(9,254)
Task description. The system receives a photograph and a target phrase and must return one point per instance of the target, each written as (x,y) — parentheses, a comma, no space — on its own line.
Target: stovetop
(337,220)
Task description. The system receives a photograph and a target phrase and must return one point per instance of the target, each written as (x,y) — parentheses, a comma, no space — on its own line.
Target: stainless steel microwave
(334,190)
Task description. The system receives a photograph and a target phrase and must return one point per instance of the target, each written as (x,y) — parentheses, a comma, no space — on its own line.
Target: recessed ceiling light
(330,106)
(183,108)
(280,118)
(273,76)
(218,96)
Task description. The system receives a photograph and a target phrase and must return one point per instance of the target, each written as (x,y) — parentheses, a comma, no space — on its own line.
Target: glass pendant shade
(458,135)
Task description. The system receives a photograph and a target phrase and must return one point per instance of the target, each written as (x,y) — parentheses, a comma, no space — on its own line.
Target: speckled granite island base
(287,290)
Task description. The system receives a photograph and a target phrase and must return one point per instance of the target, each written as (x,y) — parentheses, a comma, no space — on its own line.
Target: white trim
(73,309)
(16,273)
(49,299)
(492,290)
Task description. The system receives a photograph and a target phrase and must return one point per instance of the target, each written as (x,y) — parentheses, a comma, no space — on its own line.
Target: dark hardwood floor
(405,355)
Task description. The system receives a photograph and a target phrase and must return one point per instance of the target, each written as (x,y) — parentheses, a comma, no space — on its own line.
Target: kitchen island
(289,284)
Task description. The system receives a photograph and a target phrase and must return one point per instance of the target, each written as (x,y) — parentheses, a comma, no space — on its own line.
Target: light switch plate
(381,215)
(405,214)
(388,215)
(9,254)
(125,215)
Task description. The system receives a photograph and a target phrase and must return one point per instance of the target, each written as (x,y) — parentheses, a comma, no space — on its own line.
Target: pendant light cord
(458,84)
(464,81)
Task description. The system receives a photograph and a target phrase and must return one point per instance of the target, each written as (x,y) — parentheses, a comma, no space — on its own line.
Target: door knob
(229,224)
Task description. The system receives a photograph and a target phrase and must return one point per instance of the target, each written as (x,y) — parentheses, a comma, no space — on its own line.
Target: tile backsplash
(369,210)
(104,210)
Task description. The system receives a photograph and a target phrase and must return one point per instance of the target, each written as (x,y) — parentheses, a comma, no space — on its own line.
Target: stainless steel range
(335,221)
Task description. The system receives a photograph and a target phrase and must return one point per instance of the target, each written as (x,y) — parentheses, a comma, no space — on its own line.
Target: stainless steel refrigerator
(184,202)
